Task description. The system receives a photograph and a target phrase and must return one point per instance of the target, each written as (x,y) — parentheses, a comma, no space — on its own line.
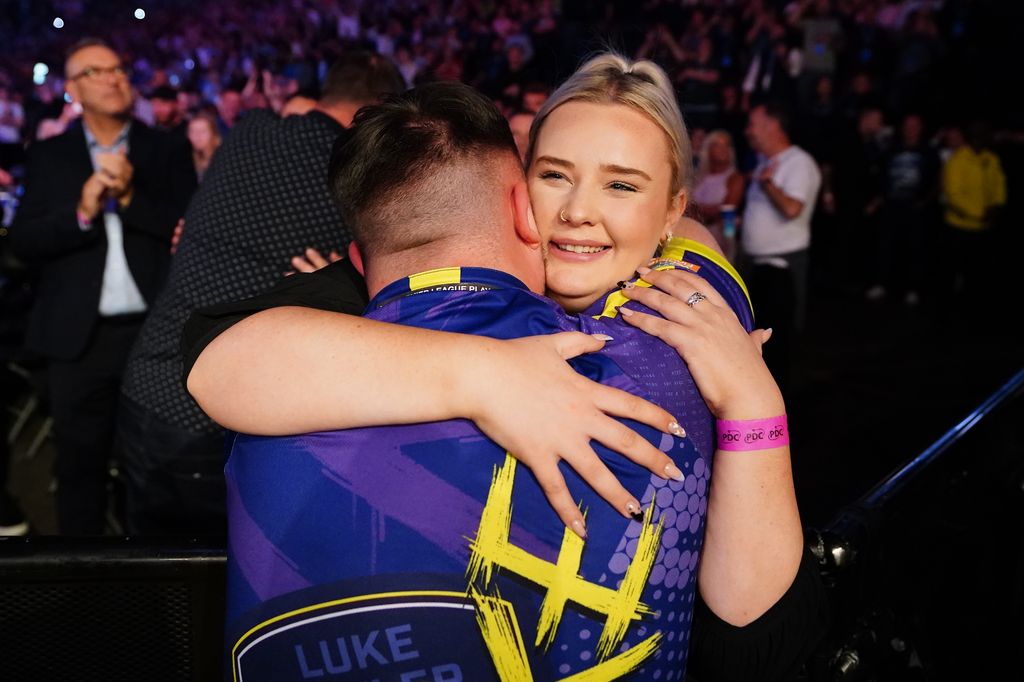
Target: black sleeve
(771,649)
(337,288)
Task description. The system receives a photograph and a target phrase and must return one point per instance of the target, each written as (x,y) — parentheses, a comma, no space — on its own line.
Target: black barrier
(111,609)
(927,566)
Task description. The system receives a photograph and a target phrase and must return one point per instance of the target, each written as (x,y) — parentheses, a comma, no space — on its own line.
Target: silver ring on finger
(695,298)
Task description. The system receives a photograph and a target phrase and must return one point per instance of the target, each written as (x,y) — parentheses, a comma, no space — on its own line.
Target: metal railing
(872,536)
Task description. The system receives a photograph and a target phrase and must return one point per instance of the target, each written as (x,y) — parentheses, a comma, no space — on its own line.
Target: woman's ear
(676,209)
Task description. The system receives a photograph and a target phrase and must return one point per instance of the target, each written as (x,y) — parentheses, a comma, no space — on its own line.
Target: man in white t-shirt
(776,233)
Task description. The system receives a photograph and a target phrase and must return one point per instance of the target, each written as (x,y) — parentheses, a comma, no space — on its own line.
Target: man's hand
(94,191)
(119,170)
(766,174)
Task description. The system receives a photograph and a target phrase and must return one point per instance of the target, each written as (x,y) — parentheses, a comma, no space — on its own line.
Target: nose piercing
(562,216)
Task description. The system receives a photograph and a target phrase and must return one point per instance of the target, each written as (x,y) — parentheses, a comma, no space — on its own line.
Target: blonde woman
(718,184)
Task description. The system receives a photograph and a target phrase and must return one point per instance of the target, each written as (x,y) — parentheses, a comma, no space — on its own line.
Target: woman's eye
(622,187)
(551,175)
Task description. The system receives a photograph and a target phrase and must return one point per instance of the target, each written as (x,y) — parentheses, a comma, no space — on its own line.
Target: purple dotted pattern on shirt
(672,582)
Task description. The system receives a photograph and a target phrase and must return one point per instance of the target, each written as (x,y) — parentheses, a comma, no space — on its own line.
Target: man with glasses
(100,204)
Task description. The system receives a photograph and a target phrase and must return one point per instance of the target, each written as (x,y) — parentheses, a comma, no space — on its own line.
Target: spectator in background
(974,190)
(229,107)
(776,234)
(12,117)
(520,122)
(52,127)
(407,66)
(204,139)
(733,120)
(853,187)
(718,184)
(263,200)
(697,82)
(100,203)
(534,96)
(167,113)
(297,105)
(823,41)
(911,189)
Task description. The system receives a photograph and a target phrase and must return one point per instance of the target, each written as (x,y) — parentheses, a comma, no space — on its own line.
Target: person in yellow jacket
(974,189)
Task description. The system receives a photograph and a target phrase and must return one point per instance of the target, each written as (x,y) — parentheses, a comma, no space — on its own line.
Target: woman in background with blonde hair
(204,138)
(718,185)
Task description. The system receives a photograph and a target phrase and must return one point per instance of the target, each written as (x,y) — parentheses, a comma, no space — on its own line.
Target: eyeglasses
(97,72)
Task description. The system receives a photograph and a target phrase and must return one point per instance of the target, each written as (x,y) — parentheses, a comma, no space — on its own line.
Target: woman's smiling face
(600,184)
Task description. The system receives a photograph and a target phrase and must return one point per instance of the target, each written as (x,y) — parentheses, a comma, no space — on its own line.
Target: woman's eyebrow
(555,161)
(624,170)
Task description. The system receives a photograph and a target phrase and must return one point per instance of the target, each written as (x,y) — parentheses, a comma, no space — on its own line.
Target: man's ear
(522,215)
(356,256)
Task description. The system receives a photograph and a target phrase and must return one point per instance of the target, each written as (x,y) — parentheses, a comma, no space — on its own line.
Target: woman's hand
(312,260)
(523,394)
(723,359)
(754,538)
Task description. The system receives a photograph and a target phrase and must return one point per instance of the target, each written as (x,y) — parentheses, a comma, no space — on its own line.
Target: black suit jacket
(70,261)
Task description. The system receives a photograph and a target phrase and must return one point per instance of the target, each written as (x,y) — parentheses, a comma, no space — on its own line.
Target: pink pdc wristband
(740,435)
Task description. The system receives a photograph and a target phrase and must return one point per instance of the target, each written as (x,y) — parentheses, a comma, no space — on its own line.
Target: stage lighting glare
(140,13)
(39,73)
(58,23)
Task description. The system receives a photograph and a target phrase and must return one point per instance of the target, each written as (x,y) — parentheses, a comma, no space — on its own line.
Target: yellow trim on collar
(433,278)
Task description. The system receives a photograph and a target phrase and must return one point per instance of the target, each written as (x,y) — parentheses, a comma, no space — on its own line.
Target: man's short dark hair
(165,93)
(780,112)
(401,171)
(362,77)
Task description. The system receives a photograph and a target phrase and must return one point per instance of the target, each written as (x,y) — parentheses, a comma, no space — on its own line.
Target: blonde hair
(610,78)
(703,161)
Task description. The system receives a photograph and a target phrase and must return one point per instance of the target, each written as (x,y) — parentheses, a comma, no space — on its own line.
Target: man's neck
(382,270)
(104,128)
(776,148)
(342,112)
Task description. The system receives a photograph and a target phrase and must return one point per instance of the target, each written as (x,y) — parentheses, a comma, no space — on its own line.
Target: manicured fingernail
(621,284)
(579,529)
(603,337)
(632,507)
(673,472)
(628,285)
(767,334)
(676,430)
(643,269)
(625,311)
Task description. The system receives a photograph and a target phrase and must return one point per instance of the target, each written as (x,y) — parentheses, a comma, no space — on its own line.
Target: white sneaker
(18,529)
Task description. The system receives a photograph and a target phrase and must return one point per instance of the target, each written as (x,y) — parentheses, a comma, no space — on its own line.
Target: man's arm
(788,206)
